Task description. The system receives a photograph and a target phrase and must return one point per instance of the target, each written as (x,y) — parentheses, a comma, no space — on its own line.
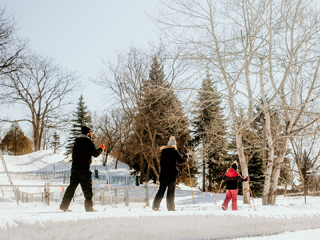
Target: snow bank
(144,224)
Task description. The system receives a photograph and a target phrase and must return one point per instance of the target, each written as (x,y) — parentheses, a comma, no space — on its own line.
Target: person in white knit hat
(168,162)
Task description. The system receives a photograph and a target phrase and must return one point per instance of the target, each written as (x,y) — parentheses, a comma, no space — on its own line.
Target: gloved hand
(103,147)
(248,178)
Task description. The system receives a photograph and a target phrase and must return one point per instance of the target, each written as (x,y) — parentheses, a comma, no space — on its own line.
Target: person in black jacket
(168,163)
(83,151)
(232,177)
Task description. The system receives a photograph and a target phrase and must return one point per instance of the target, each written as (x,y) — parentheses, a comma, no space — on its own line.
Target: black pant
(166,182)
(84,177)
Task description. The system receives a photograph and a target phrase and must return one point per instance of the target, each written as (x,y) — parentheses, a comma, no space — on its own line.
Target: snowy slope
(204,220)
(40,161)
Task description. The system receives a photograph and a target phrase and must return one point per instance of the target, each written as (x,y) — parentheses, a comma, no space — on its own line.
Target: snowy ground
(290,218)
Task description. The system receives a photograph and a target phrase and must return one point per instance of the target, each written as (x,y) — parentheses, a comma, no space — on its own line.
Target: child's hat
(234,165)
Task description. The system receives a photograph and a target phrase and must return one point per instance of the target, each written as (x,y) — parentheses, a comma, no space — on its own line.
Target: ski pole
(151,194)
(108,181)
(252,197)
(215,202)
(190,182)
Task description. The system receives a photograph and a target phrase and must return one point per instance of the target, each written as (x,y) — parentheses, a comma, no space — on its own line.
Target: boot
(92,210)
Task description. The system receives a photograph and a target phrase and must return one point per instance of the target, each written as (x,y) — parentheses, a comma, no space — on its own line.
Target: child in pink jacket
(232,177)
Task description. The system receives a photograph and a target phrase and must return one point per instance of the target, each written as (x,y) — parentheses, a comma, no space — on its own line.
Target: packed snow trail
(46,222)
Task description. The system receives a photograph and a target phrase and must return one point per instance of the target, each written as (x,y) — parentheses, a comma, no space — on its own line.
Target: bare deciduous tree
(11,48)
(305,153)
(110,130)
(259,50)
(43,88)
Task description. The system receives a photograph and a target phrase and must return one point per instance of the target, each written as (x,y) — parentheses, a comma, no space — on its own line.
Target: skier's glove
(248,178)
(102,146)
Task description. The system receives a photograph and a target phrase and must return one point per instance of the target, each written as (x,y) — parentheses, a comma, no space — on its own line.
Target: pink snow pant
(231,194)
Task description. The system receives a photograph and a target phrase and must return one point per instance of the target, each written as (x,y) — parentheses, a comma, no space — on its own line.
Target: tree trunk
(148,173)
(116,166)
(36,141)
(203,173)
(276,171)
(141,169)
(270,161)
(285,189)
(105,159)
(210,187)
(244,167)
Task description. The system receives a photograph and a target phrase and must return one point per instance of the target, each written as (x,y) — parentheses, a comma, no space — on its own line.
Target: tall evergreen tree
(81,117)
(15,142)
(160,116)
(256,174)
(55,142)
(210,133)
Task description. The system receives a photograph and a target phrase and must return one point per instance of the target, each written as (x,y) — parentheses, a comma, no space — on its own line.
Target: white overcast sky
(78,34)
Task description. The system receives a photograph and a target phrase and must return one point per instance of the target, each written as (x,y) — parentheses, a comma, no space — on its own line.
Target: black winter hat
(234,166)
(85,130)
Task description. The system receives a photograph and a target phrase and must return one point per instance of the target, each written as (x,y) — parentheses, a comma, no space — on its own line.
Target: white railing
(52,192)
(44,193)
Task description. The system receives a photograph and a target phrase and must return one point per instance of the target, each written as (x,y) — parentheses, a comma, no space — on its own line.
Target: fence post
(147,192)
(47,193)
(102,196)
(18,195)
(115,193)
(126,197)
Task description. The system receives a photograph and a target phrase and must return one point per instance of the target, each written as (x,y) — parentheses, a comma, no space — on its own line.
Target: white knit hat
(172,141)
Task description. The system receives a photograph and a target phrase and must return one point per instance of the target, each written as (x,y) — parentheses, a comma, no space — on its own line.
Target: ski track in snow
(290,218)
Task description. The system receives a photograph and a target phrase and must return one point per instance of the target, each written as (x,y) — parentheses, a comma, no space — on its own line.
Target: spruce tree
(256,174)
(55,142)
(160,116)
(81,117)
(15,142)
(210,133)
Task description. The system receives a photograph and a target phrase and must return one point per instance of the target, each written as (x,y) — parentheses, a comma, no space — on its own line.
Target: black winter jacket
(168,162)
(83,151)
(232,178)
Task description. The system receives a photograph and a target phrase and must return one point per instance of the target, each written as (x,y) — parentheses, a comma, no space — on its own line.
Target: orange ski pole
(215,202)
(252,197)
(151,194)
